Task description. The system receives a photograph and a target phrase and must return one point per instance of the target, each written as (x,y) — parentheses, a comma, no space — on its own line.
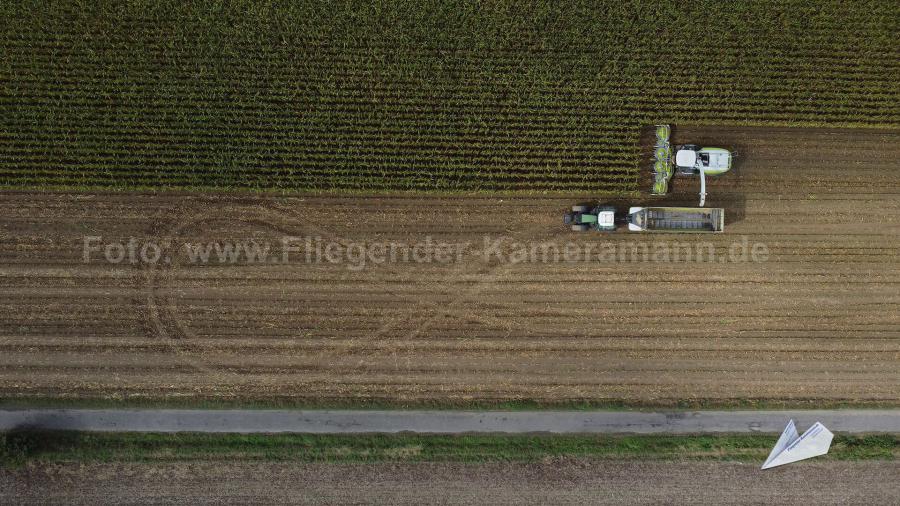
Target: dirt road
(811,314)
(847,421)
(553,482)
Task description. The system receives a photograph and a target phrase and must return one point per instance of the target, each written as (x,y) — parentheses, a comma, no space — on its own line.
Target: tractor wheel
(580,209)
(580,228)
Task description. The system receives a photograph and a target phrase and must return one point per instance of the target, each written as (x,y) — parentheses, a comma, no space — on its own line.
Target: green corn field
(418,96)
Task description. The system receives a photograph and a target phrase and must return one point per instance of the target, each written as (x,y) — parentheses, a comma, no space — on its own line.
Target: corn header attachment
(663,168)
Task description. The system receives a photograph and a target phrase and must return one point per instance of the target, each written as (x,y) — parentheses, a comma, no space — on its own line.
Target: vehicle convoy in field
(688,159)
(646,219)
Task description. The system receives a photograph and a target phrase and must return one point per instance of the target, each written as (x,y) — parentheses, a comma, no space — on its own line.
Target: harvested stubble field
(557,481)
(447,96)
(817,322)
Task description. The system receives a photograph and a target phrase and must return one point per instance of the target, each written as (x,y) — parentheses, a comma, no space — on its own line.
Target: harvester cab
(688,159)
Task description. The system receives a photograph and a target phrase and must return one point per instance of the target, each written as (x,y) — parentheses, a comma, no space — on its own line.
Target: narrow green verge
(21,447)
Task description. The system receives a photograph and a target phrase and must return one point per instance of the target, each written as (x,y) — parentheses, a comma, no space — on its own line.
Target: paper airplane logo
(792,447)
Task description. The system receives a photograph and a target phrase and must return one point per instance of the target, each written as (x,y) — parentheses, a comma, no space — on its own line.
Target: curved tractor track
(817,321)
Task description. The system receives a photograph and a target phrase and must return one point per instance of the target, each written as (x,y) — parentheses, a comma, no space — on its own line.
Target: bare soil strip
(817,321)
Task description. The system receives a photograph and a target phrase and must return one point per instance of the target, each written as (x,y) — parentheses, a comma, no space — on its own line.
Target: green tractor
(584,218)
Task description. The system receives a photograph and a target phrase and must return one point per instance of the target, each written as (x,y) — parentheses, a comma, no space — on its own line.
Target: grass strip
(23,447)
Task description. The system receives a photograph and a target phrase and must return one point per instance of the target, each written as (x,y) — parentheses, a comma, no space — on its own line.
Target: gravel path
(675,422)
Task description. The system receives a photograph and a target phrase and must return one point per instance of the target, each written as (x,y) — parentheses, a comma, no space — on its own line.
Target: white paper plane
(792,447)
